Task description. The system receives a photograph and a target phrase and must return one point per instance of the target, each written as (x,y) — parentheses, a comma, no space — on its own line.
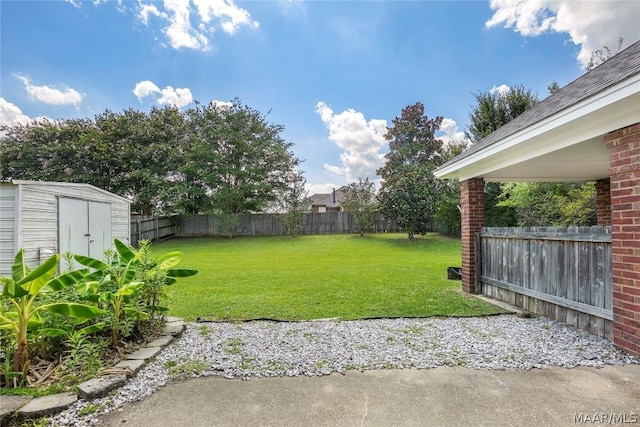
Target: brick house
(588,131)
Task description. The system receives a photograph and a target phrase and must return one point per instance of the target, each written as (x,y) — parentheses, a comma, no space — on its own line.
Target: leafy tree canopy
(360,200)
(494,109)
(209,158)
(410,192)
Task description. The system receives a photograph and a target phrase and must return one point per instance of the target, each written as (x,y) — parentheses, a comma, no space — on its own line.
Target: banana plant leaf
(91,262)
(169,260)
(39,276)
(125,252)
(75,310)
(10,288)
(66,279)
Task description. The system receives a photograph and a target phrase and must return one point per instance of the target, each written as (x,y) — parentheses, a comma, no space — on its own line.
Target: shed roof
(67,184)
(569,123)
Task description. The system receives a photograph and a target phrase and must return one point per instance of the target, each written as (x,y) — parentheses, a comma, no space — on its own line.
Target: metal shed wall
(8,218)
(31,221)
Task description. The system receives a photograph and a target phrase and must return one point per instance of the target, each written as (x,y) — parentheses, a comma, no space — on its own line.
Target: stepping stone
(10,404)
(100,387)
(46,405)
(173,319)
(173,329)
(145,353)
(160,342)
(133,365)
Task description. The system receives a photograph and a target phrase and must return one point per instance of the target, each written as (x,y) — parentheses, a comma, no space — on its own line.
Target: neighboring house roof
(328,200)
(570,124)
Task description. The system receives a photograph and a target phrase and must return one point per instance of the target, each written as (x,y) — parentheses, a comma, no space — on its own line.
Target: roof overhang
(567,146)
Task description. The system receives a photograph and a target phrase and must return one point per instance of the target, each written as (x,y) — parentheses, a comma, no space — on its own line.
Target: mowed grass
(314,277)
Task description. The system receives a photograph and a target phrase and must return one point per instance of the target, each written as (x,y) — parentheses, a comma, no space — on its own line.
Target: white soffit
(540,151)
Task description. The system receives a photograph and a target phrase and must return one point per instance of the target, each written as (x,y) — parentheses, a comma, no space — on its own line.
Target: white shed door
(84,227)
(99,228)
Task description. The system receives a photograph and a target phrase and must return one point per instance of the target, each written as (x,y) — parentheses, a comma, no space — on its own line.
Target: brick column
(603,201)
(472,203)
(624,171)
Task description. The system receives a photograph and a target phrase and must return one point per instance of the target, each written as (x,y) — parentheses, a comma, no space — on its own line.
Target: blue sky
(334,73)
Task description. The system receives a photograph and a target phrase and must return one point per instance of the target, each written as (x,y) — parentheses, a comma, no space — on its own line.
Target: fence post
(478,261)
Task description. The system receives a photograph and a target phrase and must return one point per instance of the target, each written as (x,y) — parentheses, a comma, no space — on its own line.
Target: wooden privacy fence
(157,228)
(270,224)
(152,228)
(562,273)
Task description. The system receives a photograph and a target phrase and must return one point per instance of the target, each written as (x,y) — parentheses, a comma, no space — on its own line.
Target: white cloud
(449,131)
(231,17)
(147,10)
(333,170)
(222,104)
(10,114)
(590,24)
(180,32)
(145,88)
(361,141)
(50,95)
(502,89)
(191,30)
(179,97)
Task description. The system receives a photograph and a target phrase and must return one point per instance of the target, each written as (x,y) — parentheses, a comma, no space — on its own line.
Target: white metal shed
(48,217)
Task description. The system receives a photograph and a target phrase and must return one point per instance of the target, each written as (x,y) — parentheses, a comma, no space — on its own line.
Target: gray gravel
(270,349)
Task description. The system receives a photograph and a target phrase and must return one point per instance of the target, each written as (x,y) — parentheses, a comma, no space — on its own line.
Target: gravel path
(268,349)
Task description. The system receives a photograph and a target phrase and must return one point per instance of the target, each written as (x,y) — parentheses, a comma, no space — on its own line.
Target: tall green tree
(494,109)
(239,159)
(360,200)
(293,202)
(213,158)
(410,192)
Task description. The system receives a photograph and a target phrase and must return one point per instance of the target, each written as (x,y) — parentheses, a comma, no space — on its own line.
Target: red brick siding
(624,173)
(603,201)
(472,203)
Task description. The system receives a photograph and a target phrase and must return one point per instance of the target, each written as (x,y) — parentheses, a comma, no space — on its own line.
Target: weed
(321,364)
(417,330)
(247,363)
(189,368)
(89,409)
(204,330)
(170,364)
(233,345)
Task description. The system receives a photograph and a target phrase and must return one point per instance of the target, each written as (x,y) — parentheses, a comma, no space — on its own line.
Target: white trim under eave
(628,89)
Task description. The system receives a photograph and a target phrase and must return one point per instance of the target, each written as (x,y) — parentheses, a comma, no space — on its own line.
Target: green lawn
(313,277)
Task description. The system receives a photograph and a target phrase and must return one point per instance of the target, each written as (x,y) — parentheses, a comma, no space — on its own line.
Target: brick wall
(624,172)
(603,201)
(472,203)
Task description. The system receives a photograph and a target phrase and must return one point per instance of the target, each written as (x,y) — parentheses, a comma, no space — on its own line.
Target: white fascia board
(544,130)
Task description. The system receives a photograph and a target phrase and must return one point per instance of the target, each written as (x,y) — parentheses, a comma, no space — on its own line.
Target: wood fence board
(251,225)
(562,272)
